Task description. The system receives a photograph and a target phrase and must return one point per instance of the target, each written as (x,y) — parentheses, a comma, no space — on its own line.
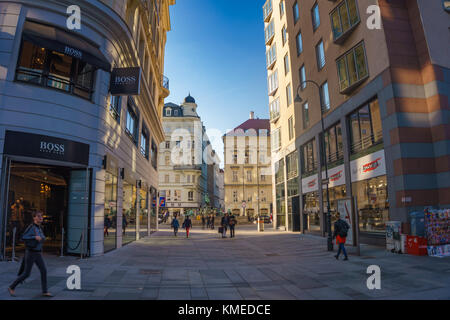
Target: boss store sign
(45,147)
(125,82)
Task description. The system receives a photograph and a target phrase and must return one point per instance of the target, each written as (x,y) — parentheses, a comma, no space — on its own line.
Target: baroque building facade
(247,171)
(189,173)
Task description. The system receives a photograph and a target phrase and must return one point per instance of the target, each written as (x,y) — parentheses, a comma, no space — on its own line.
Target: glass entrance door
(31,188)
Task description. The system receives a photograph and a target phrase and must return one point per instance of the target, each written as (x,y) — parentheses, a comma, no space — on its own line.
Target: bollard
(82,245)
(13,258)
(62,243)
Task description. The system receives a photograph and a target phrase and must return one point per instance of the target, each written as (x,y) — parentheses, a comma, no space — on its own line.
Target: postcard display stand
(437,226)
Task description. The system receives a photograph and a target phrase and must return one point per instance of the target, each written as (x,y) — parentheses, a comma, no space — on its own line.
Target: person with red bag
(341,228)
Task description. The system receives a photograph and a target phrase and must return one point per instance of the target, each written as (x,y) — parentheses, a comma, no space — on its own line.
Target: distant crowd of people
(227,222)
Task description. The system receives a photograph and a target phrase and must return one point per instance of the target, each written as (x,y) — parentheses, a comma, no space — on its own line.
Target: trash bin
(416,246)
(261,224)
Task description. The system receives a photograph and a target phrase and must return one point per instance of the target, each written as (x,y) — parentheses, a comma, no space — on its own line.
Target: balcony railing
(274,115)
(367,142)
(52,81)
(165,82)
(188,167)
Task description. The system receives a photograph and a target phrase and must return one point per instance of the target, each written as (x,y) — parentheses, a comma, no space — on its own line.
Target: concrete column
(285,194)
(138,212)
(319,182)
(119,208)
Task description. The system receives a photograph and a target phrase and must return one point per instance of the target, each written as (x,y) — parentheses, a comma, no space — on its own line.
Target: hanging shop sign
(310,184)
(370,166)
(45,147)
(336,176)
(125,82)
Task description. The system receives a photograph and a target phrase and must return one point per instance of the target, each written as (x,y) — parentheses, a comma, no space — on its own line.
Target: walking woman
(187,225)
(34,238)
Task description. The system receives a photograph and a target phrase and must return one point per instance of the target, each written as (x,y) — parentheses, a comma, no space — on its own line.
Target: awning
(58,40)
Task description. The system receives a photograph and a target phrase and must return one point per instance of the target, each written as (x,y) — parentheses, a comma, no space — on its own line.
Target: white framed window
(289,94)
(274,107)
(273,82)
(276,139)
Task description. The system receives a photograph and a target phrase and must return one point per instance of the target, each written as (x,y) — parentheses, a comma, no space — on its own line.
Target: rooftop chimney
(252,115)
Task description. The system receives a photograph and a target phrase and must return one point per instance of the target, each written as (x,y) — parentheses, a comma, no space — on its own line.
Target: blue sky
(216,52)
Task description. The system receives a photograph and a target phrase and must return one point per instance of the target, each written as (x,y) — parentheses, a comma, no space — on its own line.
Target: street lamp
(298,99)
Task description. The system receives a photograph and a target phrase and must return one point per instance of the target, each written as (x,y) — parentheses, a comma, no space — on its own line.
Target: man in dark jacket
(187,225)
(225,223)
(232,223)
(341,228)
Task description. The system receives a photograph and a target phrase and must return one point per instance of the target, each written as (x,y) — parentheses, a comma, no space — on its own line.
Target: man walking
(225,223)
(175,225)
(341,228)
(187,225)
(232,223)
(212,222)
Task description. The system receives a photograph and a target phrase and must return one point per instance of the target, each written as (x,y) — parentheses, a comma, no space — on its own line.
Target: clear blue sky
(216,52)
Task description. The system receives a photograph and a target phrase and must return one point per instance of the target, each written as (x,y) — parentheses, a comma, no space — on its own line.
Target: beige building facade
(247,171)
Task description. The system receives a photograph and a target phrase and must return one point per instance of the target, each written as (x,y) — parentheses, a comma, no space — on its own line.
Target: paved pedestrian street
(271,265)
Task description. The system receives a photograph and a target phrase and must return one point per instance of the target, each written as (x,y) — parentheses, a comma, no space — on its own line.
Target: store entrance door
(30,188)
(296,214)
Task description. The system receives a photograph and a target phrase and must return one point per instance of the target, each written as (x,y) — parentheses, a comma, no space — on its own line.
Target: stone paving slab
(272,265)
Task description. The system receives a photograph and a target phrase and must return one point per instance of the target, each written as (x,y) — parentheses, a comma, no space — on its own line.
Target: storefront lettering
(73,52)
(312,183)
(125,80)
(52,148)
(335,177)
(371,166)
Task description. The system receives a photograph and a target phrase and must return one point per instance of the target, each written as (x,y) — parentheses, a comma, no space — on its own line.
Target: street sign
(325,181)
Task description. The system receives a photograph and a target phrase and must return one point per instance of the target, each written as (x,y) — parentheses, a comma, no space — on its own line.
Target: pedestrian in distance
(212,221)
(124,223)
(232,224)
(203,222)
(34,239)
(225,223)
(107,226)
(175,225)
(187,224)
(341,228)
(208,222)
